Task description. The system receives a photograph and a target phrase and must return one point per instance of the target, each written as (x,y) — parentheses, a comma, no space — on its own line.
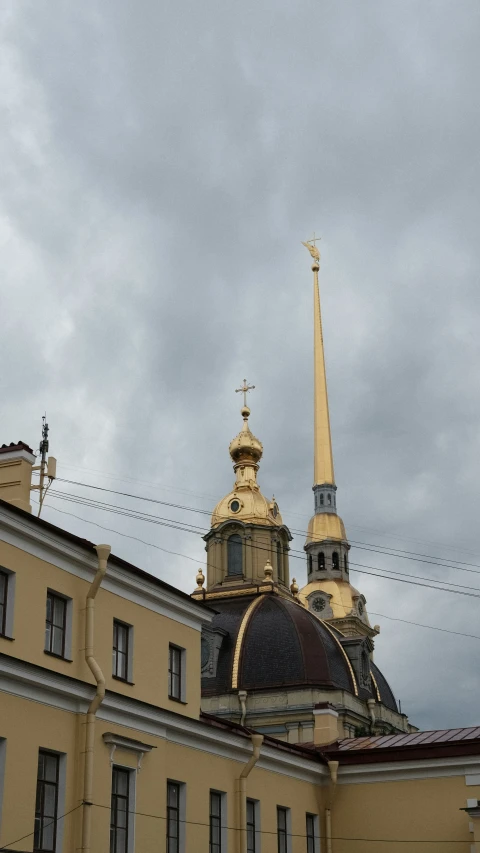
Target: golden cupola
(247,531)
(245,502)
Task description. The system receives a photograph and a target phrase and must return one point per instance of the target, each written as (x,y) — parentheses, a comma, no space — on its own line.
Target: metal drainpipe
(103,552)
(333,767)
(241,791)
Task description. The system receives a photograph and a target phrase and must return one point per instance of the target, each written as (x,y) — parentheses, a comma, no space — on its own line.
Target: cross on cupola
(244,390)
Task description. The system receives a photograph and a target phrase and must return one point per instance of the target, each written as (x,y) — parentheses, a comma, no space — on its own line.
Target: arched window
(321,500)
(281,573)
(329,498)
(234,555)
(335,561)
(310,563)
(345,563)
(321,560)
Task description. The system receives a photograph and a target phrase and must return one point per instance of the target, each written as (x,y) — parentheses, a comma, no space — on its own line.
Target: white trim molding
(119,742)
(29,536)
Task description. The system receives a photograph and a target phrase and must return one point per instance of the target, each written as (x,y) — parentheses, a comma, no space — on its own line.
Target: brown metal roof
(415,739)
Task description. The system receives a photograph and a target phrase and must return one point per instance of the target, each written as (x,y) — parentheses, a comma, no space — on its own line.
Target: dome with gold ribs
(245,447)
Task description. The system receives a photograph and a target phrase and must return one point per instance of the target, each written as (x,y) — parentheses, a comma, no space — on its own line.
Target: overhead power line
(203,562)
(366,546)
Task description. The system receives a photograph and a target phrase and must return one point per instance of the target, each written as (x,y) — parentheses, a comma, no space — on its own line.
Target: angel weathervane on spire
(312,248)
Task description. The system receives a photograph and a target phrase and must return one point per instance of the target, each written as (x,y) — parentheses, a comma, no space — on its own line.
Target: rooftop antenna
(47,467)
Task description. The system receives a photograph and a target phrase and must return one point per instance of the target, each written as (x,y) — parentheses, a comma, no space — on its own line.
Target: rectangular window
(176,673)
(252,826)
(282,830)
(56,625)
(216,830)
(122,651)
(3,602)
(119,811)
(312,834)
(46,804)
(173,817)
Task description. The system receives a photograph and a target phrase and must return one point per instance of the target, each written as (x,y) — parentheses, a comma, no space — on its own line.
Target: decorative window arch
(321,560)
(234,555)
(280,564)
(335,561)
(310,563)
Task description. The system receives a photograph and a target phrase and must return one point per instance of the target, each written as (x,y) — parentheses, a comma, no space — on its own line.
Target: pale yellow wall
(152,633)
(29,726)
(418,809)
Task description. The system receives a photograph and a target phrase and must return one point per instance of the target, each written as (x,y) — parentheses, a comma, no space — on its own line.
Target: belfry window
(321,500)
(321,560)
(235,555)
(345,563)
(329,499)
(335,561)
(280,568)
(310,563)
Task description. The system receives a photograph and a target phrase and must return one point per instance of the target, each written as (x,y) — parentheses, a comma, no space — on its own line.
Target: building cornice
(23,531)
(27,681)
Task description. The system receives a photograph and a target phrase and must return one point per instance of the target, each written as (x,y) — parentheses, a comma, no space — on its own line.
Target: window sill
(59,657)
(123,680)
(180,701)
(6,637)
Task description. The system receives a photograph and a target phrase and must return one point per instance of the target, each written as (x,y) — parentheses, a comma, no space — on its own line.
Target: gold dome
(344,597)
(325,525)
(253,507)
(245,447)
(245,502)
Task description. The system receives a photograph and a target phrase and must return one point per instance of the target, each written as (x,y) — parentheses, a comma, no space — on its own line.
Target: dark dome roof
(283,645)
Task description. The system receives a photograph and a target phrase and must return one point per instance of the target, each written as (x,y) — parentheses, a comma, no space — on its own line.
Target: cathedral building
(274,653)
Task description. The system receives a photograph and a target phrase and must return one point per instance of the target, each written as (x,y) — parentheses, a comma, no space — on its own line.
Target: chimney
(326,724)
(16,461)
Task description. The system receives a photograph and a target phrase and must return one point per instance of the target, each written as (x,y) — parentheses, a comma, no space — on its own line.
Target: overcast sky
(160,165)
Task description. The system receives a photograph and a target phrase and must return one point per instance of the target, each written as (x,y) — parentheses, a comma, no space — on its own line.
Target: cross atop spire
(244,390)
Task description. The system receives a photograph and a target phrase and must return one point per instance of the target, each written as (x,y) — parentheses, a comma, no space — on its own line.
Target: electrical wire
(295,834)
(365,546)
(29,835)
(203,562)
(375,571)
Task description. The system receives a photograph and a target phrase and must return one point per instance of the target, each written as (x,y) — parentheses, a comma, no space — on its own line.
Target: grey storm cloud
(160,165)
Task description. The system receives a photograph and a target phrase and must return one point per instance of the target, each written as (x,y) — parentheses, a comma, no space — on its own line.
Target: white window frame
(10,602)
(183,673)
(130,640)
(61,794)
(288,815)
(68,624)
(182,813)
(258,829)
(132,796)
(223,817)
(3,756)
(316,830)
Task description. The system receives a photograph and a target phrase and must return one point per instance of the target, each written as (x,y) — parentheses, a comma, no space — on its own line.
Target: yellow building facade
(103,746)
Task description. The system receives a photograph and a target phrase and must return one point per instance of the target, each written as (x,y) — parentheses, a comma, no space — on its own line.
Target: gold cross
(244,389)
(314,240)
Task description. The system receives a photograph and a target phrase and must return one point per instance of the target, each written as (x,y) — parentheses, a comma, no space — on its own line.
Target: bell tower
(328,592)
(247,542)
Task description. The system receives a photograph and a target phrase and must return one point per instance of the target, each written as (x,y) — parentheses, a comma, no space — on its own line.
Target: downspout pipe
(241,790)
(103,552)
(333,768)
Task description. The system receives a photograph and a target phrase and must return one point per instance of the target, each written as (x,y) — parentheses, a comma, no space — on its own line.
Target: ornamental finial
(310,245)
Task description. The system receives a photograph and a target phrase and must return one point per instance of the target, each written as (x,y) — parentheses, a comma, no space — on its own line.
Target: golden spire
(323,456)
